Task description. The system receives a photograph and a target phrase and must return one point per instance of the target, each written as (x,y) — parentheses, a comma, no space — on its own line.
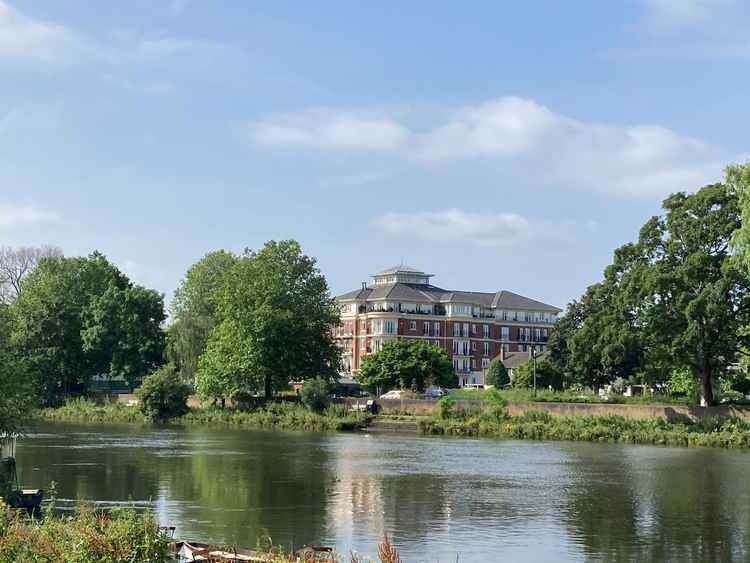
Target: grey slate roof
(514,360)
(432,294)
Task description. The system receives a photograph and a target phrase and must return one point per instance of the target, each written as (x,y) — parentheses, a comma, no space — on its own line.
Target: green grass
(547,396)
(541,425)
(283,415)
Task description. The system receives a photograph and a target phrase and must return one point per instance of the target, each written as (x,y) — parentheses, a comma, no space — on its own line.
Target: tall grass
(87,536)
(283,415)
(541,425)
(547,396)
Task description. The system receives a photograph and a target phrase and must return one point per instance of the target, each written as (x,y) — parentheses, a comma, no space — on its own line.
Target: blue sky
(505,145)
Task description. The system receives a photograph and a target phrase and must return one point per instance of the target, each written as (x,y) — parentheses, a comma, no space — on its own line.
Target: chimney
(364,285)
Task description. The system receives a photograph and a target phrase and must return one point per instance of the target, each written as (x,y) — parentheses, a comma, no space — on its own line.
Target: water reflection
(481,499)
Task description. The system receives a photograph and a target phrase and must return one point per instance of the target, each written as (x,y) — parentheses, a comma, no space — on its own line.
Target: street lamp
(533,364)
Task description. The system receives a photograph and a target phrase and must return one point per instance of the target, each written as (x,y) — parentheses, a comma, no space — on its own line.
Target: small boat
(188,551)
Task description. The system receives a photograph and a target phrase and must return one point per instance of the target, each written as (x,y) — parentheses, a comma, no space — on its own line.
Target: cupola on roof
(402,274)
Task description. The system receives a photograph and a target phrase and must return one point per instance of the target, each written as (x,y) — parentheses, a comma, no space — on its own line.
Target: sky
(497,145)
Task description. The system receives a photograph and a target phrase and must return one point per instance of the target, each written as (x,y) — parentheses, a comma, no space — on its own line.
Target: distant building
(474,327)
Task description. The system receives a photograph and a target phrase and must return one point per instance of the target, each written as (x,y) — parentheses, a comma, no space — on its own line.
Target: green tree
(163,395)
(694,299)
(314,394)
(277,323)
(62,328)
(546,376)
(737,180)
(403,361)
(15,394)
(123,325)
(195,310)
(497,375)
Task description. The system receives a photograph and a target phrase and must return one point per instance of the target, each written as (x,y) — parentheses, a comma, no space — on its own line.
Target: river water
(438,498)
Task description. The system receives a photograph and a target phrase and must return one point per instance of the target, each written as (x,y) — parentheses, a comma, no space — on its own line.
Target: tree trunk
(223,402)
(269,391)
(707,391)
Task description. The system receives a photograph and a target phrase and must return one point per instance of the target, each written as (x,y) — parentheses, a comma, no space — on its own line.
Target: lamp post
(533,364)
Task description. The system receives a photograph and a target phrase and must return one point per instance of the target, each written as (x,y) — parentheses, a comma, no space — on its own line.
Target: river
(439,498)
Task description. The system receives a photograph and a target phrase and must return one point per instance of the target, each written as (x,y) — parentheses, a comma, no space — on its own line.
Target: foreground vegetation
(281,416)
(495,421)
(86,536)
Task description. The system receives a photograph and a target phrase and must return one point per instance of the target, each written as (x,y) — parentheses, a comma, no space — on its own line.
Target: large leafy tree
(276,324)
(62,329)
(405,363)
(195,310)
(15,394)
(123,327)
(694,300)
(497,374)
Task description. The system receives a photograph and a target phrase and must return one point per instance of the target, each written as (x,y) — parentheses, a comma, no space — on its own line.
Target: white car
(392,394)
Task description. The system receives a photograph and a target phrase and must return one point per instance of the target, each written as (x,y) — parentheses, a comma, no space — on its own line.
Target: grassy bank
(283,416)
(86,536)
(541,425)
(546,396)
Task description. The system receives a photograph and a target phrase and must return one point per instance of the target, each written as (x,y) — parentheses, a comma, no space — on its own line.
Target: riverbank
(281,416)
(541,425)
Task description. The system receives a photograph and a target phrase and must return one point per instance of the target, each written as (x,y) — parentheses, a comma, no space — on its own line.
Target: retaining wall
(672,413)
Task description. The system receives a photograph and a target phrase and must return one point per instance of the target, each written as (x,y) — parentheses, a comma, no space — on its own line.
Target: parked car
(392,394)
(434,393)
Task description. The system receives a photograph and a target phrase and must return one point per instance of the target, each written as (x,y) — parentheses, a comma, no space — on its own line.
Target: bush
(314,394)
(446,407)
(162,395)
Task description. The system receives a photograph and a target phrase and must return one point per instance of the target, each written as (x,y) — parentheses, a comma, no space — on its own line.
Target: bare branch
(17,263)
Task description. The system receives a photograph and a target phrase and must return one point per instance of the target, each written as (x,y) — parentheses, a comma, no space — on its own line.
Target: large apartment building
(474,327)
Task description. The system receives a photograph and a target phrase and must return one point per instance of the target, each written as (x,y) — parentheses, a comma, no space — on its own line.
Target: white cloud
(479,229)
(326,129)
(16,216)
(523,136)
(26,38)
(671,15)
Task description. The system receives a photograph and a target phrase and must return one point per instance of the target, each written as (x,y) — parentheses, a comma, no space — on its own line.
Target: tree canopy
(497,374)
(79,317)
(406,363)
(276,325)
(195,310)
(677,298)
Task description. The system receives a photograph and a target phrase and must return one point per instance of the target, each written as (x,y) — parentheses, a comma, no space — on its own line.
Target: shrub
(163,395)
(314,394)
(446,407)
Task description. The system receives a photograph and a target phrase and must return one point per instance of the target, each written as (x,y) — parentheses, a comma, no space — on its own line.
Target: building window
(436,343)
(466,329)
(473,329)
(412,325)
(390,327)
(486,331)
(473,364)
(524,348)
(506,347)
(455,364)
(455,346)
(504,333)
(486,348)
(456,329)
(466,348)
(426,328)
(474,346)
(485,363)
(363,344)
(437,328)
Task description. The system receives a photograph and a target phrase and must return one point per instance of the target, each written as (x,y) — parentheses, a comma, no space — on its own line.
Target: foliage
(314,394)
(62,330)
(277,322)
(541,425)
(676,298)
(15,395)
(124,325)
(524,395)
(403,361)
(546,376)
(86,536)
(682,382)
(195,310)
(446,407)
(86,410)
(497,374)
(163,395)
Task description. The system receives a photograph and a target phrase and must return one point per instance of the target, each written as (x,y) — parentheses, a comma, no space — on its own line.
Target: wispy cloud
(522,135)
(26,38)
(16,216)
(479,229)
(329,130)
